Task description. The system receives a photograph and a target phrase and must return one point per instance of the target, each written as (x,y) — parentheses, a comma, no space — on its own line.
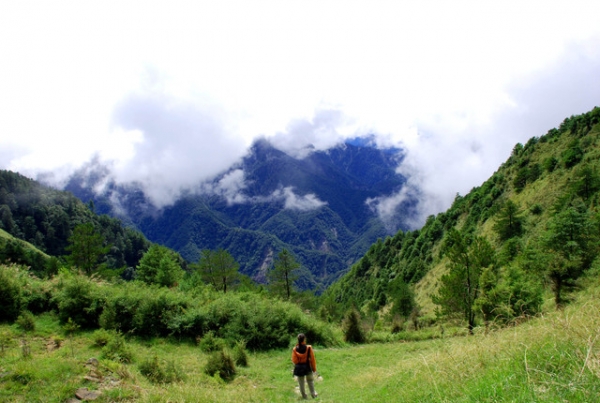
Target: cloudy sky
(172,93)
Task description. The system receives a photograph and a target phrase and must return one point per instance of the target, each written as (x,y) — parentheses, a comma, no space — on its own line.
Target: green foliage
(26,321)
(210,343)
(144,310)
(222,364)
(218,268)
(159,265)
(536,209)
(102,337)
(45,218)
(550,163)
(10,293)
(160,371)
(587,181)
(86,247)
(459,288)
(78,298)
(7,339)
(508,295)
(403,298)
(572,155)
(509,222)
(117,349)
(351,326)
(240,356)
(283,274)
(572,240)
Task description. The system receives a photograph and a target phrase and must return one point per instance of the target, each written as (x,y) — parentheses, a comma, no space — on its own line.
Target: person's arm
(294,356)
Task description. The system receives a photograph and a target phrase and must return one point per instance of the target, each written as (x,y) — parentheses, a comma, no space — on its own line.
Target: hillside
(39,221)
(542,181)
(315,207)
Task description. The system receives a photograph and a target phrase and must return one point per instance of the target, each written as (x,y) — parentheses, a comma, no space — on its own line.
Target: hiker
(305,365)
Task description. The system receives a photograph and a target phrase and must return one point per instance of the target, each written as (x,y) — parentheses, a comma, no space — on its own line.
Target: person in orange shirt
(305,364)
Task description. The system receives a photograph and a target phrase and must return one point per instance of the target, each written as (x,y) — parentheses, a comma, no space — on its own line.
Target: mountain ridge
(314,206)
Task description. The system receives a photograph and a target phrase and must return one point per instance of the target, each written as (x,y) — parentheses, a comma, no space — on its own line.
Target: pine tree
(86,247)
(218,268)
(283,274)
(460,286)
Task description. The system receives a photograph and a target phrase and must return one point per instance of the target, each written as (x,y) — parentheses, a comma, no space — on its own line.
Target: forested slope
(46,218)
(539,212)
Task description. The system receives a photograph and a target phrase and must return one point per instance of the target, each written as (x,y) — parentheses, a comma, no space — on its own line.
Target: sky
(170,94)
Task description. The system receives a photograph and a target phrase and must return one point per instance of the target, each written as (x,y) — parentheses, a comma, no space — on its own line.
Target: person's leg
(301,384)
(311,384)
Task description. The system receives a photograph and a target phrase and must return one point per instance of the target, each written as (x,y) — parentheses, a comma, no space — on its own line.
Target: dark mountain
(315,207)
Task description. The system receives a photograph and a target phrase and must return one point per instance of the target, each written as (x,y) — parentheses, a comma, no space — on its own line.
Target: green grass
(553,358)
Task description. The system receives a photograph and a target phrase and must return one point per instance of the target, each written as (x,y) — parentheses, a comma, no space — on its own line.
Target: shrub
(351,327)
(78,298)
(6,340)
(222,364)
(161,371)
(209,342)
(102,337)
(10,293)
(536,209)
(26,321)
(145,310)
(117,350)
(239,354)
(397,326)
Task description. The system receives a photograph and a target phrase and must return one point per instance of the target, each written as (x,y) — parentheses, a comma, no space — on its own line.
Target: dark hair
(301,338)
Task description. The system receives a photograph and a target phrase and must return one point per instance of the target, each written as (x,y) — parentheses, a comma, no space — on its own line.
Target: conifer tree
(460,286)
(159,265)
(218,268)
(86,247)
(283,275)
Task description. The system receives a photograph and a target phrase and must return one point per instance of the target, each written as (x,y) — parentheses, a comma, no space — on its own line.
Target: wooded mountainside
(539,212)
(45,218)
(333,231)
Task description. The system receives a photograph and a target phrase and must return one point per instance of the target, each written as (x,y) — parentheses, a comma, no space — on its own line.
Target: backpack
(303,368)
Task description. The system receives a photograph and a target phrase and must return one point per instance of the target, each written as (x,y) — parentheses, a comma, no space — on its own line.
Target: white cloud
(293,201)
(230,186)
(174,93)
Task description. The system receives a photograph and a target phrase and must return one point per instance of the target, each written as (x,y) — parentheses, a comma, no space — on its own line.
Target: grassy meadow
(552,358)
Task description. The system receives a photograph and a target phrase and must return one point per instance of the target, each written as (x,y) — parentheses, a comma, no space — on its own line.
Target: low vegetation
(553,357)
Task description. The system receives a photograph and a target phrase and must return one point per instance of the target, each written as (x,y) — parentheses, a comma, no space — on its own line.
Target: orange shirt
(298,358)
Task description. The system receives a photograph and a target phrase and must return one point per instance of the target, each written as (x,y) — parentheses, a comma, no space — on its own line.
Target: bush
(397,326)
(26,321)
(10,293)
(117,350)
(7,339)
(161,371)
(536,209)
(222,364)
(78,298)
(263,323)
(145,310)
(102,337)
(352,329)
(210,343)
(239,354)
(37,296)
